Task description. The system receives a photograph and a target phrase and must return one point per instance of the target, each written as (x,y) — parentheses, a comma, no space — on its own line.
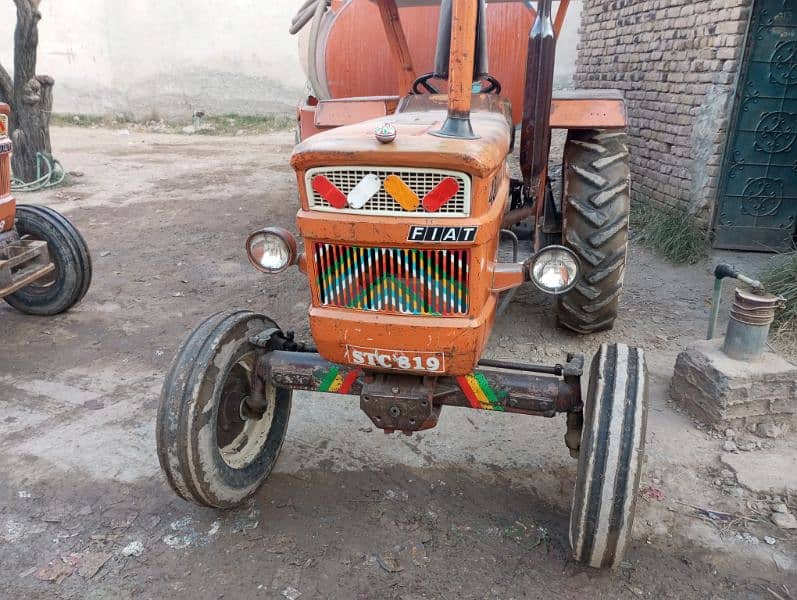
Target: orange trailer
(403,199)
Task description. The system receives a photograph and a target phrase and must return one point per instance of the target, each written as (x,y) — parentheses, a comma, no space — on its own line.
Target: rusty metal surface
(400,402)
(397,40)
(755,309)
(538,93)
(751,315)
(516,215)
(309,372)
(23,262)
(464,14)
(500,390)
(575,425)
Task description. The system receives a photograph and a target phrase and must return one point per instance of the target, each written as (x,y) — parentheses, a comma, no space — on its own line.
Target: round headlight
(554,269)
(271,250)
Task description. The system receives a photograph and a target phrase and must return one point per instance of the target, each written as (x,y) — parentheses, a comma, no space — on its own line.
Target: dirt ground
(476,508)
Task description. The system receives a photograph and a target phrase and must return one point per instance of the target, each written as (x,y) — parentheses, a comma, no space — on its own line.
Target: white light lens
(555,270)
(364,191)
(269,251)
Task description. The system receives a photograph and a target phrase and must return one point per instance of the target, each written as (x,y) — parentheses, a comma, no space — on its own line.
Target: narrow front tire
(211,453)
(610,456)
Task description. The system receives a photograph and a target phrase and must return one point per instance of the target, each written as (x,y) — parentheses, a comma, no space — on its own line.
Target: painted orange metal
(463,47)
(342,329)
(561,13)
(460,340)
(8,211)
(334,113)
(397,40)
(356,144)
(588,109)
(354,28)
(8,205)
(507,276)
(578,109)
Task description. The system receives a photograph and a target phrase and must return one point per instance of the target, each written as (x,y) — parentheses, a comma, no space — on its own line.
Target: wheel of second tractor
(610,457)
(211,449)
(596,204)
(68,283)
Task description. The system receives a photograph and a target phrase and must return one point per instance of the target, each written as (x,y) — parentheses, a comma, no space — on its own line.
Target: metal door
(757,204)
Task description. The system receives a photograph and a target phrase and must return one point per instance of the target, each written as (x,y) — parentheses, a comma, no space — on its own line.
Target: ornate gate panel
(757,205)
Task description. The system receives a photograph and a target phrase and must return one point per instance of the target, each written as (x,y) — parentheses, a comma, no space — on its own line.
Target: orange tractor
(45,265)
(402,204)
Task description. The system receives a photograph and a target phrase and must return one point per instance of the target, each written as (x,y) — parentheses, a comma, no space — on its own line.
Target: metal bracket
(263,338)
(400,402)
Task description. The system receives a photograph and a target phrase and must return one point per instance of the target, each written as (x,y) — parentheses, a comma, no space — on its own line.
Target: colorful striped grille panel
(397,280)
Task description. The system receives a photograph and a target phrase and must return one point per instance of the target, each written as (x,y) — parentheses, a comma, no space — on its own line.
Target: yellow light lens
(401,193)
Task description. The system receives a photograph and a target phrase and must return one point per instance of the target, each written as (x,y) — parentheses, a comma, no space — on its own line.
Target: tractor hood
(415,146)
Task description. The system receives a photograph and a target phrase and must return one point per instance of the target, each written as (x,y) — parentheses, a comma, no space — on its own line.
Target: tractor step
(22,263)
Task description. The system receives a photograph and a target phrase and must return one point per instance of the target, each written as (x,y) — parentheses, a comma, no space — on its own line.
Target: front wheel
(68,283)
(610,457)
(211,453)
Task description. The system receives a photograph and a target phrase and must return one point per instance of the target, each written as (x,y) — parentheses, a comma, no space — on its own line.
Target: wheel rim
(240,440)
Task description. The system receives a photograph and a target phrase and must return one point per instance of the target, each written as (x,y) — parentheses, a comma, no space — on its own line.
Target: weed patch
(676,235)
(227,124)
(780,278)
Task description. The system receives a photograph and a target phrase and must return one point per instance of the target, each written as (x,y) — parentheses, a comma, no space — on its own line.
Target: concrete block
(764,472)
(727,393)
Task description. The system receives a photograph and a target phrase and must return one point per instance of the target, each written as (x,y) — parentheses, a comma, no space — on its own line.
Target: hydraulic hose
(303,16)
(312,10)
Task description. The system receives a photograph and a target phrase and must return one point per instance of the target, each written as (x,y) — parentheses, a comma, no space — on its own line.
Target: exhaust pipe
(535,138)
(464,17)
(443,49)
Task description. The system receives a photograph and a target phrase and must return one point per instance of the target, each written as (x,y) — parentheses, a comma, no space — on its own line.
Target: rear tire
(610,457)
(596,203)
(209,453)
(69,253)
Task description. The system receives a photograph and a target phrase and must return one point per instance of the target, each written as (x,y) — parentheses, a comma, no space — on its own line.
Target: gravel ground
(476,508)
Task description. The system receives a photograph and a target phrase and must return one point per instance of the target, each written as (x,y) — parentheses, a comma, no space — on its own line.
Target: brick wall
(676,61)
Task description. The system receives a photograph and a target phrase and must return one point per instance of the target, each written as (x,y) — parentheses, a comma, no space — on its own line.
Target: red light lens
(440,194)
(328,191)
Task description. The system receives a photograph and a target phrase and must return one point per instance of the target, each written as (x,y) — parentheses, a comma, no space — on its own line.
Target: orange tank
(354,28)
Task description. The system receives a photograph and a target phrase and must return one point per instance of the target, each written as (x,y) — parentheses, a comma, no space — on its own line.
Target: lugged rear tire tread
(596,205)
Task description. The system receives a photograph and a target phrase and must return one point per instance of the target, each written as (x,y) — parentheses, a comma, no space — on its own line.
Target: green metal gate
(757,204)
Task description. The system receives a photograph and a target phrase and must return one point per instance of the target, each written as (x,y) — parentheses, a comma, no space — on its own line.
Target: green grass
(226,124)
(676,235)
(72,120)
(780,278)
(232,124)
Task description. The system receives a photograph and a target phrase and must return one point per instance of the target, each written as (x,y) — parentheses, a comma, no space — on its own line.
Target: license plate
(399,360)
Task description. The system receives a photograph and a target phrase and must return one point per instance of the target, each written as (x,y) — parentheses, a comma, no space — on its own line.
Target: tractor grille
(399,280)
(420,181)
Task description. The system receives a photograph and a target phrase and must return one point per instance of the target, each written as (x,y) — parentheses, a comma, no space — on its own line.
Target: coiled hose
(303,15)
(312,10)
(53,176)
